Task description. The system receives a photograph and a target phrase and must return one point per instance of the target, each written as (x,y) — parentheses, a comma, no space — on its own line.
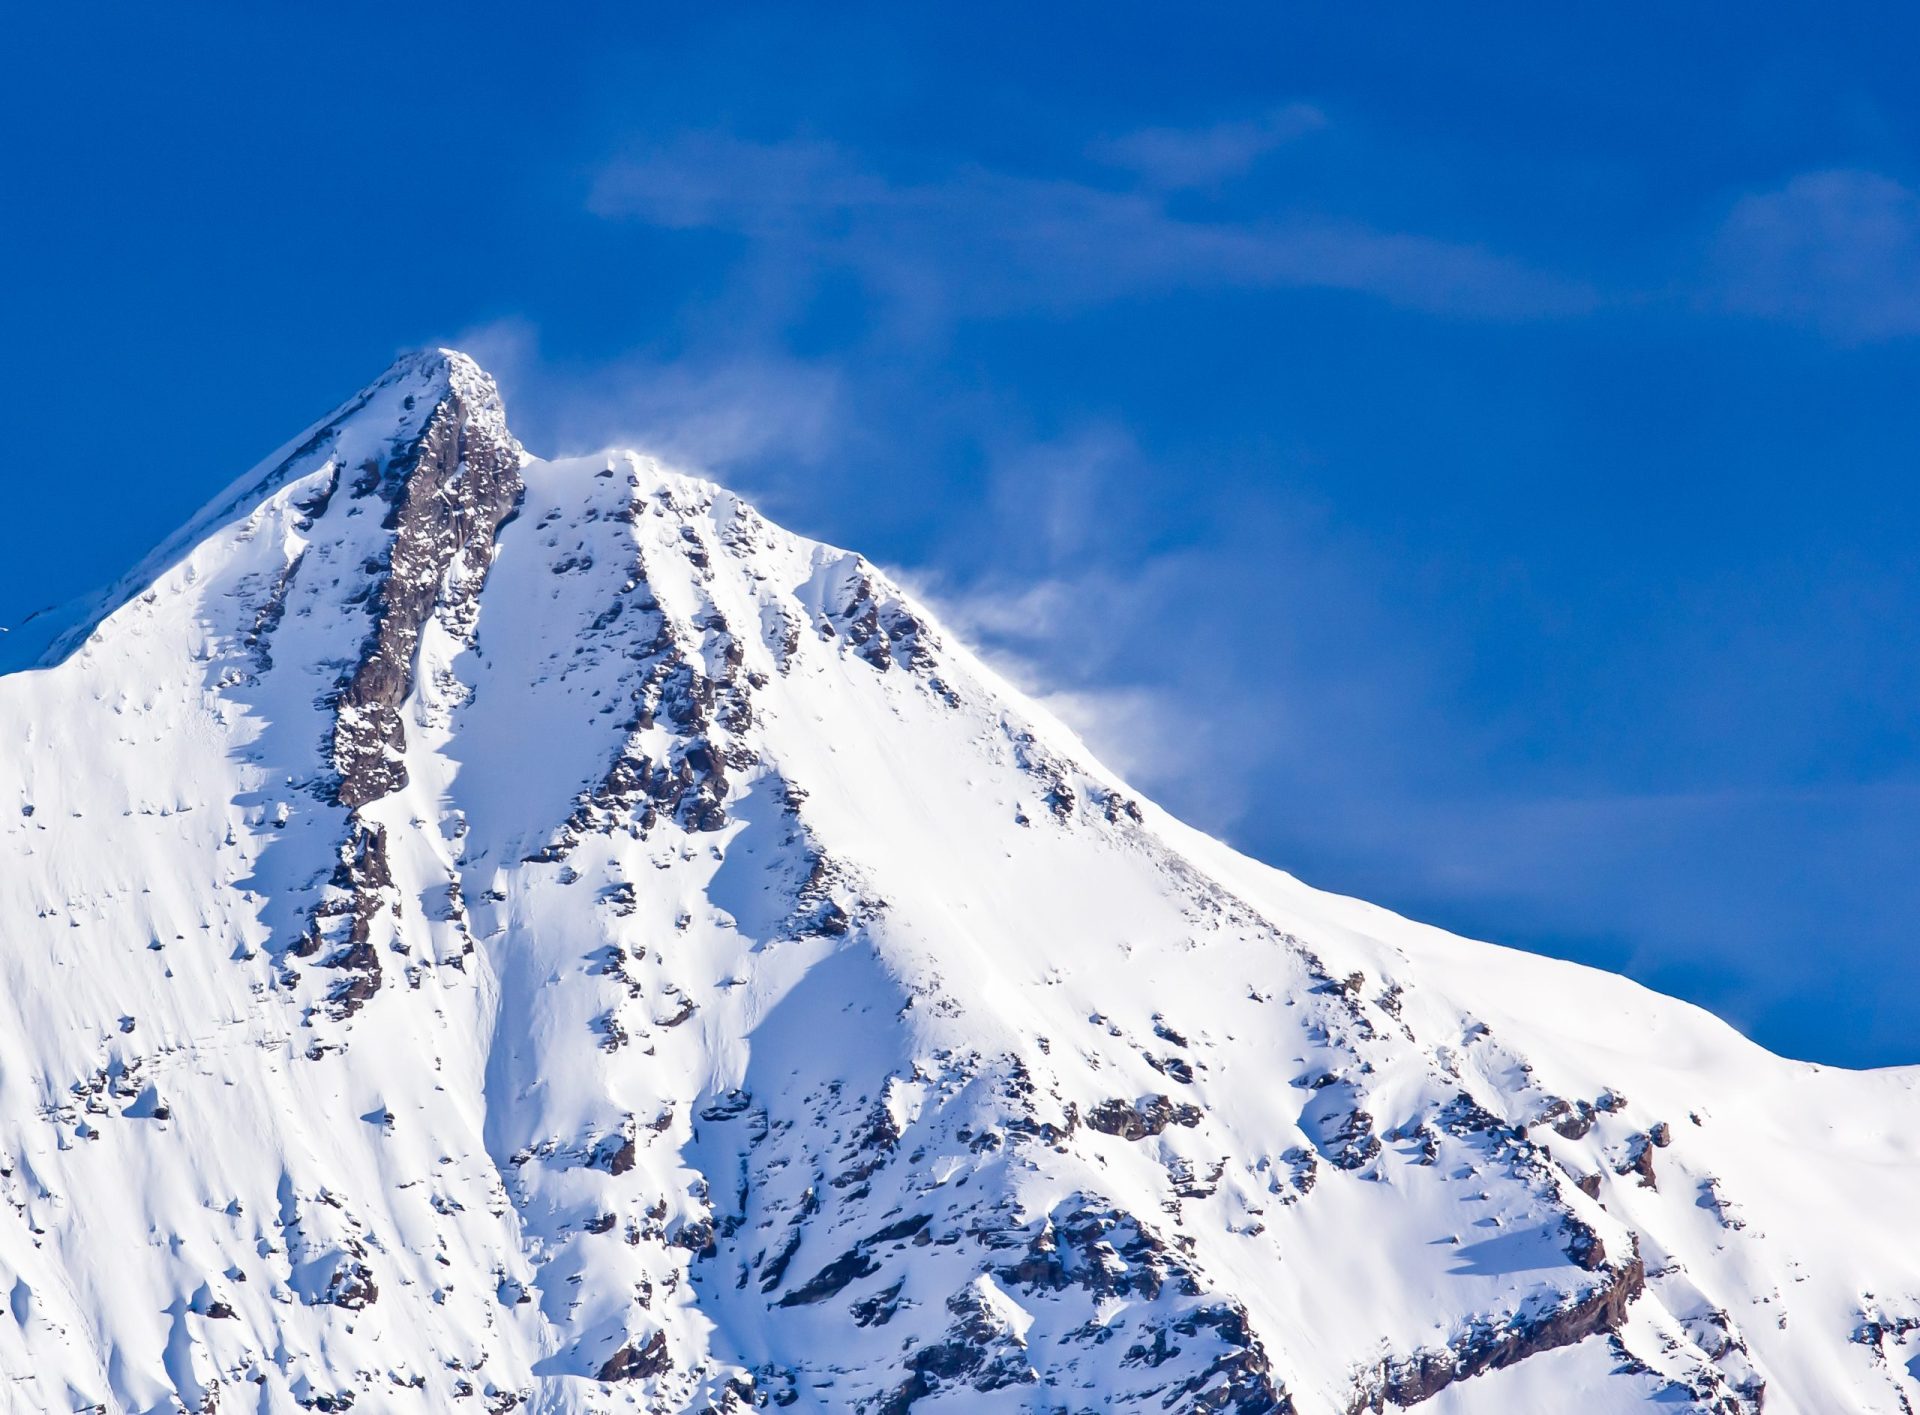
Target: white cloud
(1837,251)
(1061,642)
(983,242)
(706,413)
(1171,158)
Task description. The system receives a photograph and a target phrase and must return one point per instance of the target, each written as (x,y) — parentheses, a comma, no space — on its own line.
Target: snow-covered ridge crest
(392,408)
(480,931)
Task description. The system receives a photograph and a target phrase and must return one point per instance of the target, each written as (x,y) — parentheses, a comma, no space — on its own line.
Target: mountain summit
(490,933)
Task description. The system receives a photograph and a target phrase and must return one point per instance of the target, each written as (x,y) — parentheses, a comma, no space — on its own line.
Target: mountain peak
(403,400)
(380,426)
(483,929)
(437,359)
(442,366)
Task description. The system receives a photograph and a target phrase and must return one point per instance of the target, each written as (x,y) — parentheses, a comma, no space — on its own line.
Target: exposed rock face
(446,494)
(593,950)
(689,683)
(446,491)
(1136,1120)
(1493,1343)
(1639,1162)
(636,1362)
(1113,1256)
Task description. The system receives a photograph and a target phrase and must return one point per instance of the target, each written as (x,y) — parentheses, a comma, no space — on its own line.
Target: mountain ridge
(431,372)
(534,933)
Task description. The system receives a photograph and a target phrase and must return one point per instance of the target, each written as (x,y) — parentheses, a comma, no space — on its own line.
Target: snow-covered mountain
(487,933)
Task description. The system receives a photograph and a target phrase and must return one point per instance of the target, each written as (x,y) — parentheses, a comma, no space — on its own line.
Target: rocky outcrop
(875,624)
(1494,1343)
(689,679)
(635,1362)
(1639,1161)
(856,1262)
(446,493)
(1137,1120)
(981,1350)
(1199,1344)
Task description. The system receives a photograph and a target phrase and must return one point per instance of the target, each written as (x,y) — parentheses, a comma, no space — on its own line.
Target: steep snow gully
(490,933)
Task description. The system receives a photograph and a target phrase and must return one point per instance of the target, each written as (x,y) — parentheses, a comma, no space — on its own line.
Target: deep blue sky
(1469,463)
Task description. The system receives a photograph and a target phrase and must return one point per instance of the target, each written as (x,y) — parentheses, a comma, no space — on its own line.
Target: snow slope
(487,933)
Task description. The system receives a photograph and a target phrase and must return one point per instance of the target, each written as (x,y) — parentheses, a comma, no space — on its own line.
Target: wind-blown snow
(676,975)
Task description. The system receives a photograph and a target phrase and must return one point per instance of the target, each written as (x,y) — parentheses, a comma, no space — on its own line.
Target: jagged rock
(830,1280)
(617,1154)
(1492,1345)
(1569,1122)
(1136,1120)
(636,1363)
(1639,1161)
(1584,1246)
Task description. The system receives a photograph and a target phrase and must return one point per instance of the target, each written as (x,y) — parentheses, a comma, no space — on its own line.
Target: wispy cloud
(1837,251)
(1332,733)
(1172,158)
(707,413)
(1117,593)
(982,242)
(1087,646)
